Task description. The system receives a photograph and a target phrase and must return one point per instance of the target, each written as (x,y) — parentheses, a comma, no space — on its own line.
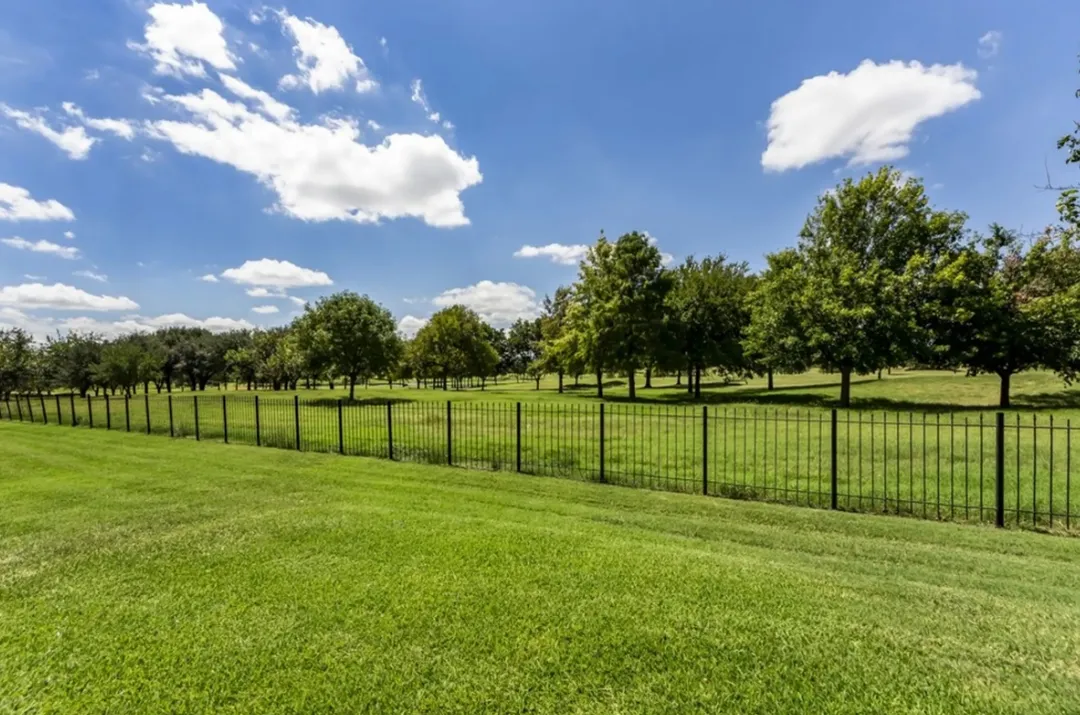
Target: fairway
(146,575)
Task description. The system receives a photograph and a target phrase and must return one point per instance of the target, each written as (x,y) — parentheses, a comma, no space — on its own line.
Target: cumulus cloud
(321,171)
(563,254)
(209,278)
(410,325)
(269,273)
(265,309)
(868,115)
(324,60)
(990,44)
(31,296)
(123,128)
(41,326)
(49,247)
(265,293)
(183,39)
(16,204)
(99,277)
(74,141)
(499,304)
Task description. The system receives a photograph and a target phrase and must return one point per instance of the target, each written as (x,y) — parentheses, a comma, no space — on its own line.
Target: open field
(148,575)
(932,464)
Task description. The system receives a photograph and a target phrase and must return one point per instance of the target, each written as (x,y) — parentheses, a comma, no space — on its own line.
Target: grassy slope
(143,575)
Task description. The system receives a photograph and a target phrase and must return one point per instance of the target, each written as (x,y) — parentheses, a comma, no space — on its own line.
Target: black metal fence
(1010,470)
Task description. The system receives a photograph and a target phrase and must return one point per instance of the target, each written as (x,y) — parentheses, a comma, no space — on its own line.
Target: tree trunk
(689,378)
(845,387)
(879,373)
(631,378)
(678,379)
(769,373)
(577,379)
(600,383)
(697,383)
(445,382)
(560,381)
(1006,378)
(648,378)
(538,384)
(352,388)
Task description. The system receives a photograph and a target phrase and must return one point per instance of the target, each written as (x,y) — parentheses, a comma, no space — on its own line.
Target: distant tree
(454,344)
(121,365)
(554,325)
(16,361)
(775,341)
(623,287)
(73,358)
(523,345)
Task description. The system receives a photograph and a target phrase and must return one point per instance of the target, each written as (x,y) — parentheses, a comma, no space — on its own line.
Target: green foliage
(17,357)
(454,344)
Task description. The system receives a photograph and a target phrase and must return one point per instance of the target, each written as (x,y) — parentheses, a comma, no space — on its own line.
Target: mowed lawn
(142,575)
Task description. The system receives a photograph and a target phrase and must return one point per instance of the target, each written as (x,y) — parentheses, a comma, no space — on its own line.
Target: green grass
(146,575)
(930,464)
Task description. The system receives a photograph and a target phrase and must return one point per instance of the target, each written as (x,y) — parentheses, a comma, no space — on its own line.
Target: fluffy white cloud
(30,296)
(374,126)
(74,141)
(990,44)
(99,277)
(868,115)
(181,38)
(267,272)
(499,304)
(16,204)
(49,247)
(271,107)
(567,255)
(215,324)
(322,172)
(41,326)
(122,128)
(410,325)
(265,309)
(209,278)
(323,57)
(265,293)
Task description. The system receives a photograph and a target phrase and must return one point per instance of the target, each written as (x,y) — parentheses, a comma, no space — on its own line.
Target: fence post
(72,405)
(127,412)
(449,437)
(258,430)
(601,441)
(195,403)
(296,419)
(108,413)
(390,430)
(225,418)
(44,412)
(59,414)
(833,496)
(519,436)
(999,476)
(705,450)
(146,404)
(171,433)
(340,428)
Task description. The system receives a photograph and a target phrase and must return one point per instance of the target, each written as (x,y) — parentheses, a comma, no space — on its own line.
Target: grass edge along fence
(981,467)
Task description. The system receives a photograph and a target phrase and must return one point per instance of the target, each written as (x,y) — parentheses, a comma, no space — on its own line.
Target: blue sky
(287,151)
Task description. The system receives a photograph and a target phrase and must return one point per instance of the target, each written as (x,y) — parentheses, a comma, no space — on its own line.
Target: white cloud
(418,97)
(410,325)
(666,259)
(321,172)
(269,273)
(567,255)
(100,277)
(383,42)
(181,38)
(264,293)
(31,296)
(990,44)
(16,204)
(55,249)
(69,235)
(41,326)
(299,302)
(29,277)
(868,115)
(214,324)
(265,309)
(323,57)
(499,304)
(374,126)
(209,278)
(122,128)
(74,141)
(270,106)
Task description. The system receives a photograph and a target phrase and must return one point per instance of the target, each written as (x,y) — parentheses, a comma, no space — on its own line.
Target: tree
(553,326)
(16,361)
(454,344)
(121,364)
(73,357)
(623,287)
(708,315)
(774,339)
(523,345)
(853,310)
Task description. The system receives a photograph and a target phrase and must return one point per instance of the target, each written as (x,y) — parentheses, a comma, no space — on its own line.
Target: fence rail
(976,467)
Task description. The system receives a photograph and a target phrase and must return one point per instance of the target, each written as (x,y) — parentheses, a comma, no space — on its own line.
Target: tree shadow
(358,402)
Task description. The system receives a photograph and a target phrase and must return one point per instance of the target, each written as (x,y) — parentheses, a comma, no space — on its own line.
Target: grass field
(932,463)
(147,575)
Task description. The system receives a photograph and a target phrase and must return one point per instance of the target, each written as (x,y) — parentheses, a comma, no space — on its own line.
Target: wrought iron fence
(981,467)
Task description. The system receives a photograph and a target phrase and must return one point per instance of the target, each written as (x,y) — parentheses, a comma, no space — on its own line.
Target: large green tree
(774,340)
(453,344)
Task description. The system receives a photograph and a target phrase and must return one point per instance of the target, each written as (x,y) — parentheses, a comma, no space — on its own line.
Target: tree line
(878,278)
